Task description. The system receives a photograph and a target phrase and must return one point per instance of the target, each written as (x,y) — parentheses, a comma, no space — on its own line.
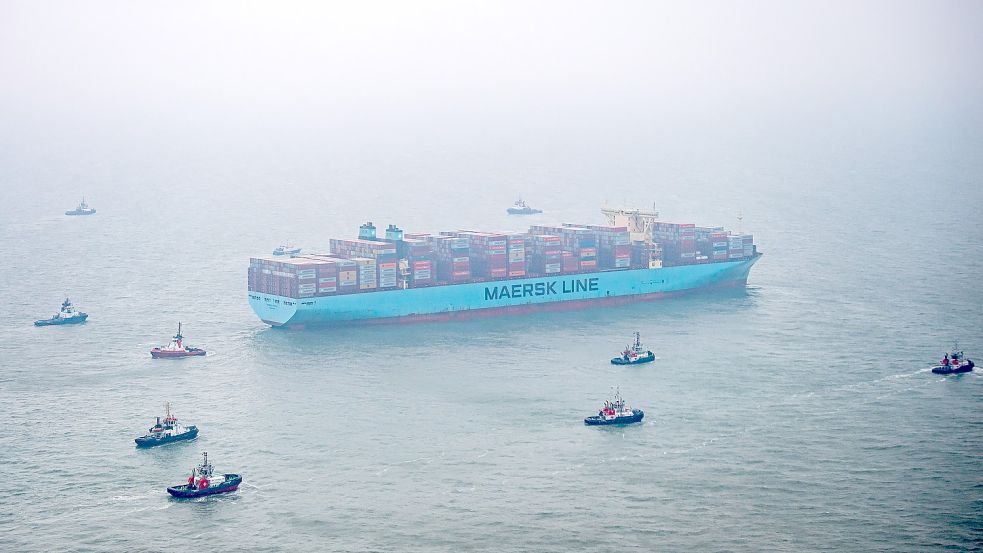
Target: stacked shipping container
(489,254)
(383,257)
(419,258)
(613,247)
(453,258)
(547,254)
(517,255)
(422,259)
(579,245)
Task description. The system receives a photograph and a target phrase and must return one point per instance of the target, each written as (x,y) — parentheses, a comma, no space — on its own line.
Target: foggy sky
(467,74)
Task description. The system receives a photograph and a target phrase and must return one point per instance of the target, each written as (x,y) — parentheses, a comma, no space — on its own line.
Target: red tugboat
(176,348)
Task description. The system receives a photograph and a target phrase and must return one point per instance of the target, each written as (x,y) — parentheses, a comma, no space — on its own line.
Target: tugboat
(520,208)
(82,209)
(67,316)
(954,363)
(615,412)
(167,431)
(204,482)
(176,348)
(634,354)
(286,250)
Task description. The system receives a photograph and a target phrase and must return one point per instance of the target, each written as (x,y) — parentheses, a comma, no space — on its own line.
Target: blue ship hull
(949,369)
(639,361)
(59,321)
(146,441)
(637,416)
(475,299)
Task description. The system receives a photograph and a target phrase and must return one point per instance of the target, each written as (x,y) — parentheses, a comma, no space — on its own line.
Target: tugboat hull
(643,359)
(231,484)
(60,321)
(165,354)
(147,441)
(636,416)
(949,369)
(523,211)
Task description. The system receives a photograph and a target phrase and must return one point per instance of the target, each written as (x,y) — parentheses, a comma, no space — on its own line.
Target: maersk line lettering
(541,289)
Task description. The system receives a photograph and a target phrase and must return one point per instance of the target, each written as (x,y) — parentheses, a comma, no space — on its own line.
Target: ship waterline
(502,297)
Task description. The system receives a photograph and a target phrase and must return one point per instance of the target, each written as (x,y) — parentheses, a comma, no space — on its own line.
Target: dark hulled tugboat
(167,431)
(520,208)
(203,482)
(82,209)
(615,413)
(67,316)
(954,364)
(176,348)
(634,354)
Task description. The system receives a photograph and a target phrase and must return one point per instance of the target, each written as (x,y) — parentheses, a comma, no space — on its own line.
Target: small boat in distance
(615,412)
(203,482)
(520,208)
(176,348)
(167,431)
(634,354)
(67,316)
(82,209)
(954,363)
(286,250)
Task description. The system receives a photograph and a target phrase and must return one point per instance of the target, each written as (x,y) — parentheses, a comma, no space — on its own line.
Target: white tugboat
(615,412)
(634,354)
(167,431)
(286,250)
(204,481)
(955,363)
(66,316)
(176,348)
(82,209)
(520,208)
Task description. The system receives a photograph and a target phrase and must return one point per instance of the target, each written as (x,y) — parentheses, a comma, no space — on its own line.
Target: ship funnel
(366,231)
(394,233)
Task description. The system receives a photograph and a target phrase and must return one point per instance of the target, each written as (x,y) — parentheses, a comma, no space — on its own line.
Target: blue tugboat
(203,482)
(82,209)
(520,208)
(954,364)
(167,431)
(634,354)
(615,412)
(67,316)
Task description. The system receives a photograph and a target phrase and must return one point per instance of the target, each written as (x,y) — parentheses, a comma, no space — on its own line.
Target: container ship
(404,277)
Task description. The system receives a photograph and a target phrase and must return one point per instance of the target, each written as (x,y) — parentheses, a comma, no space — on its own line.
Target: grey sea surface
(798,414)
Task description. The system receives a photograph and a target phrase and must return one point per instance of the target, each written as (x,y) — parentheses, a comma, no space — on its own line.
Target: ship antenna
(740,222)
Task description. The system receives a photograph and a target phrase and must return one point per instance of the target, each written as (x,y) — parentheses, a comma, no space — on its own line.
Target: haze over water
(799,414)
